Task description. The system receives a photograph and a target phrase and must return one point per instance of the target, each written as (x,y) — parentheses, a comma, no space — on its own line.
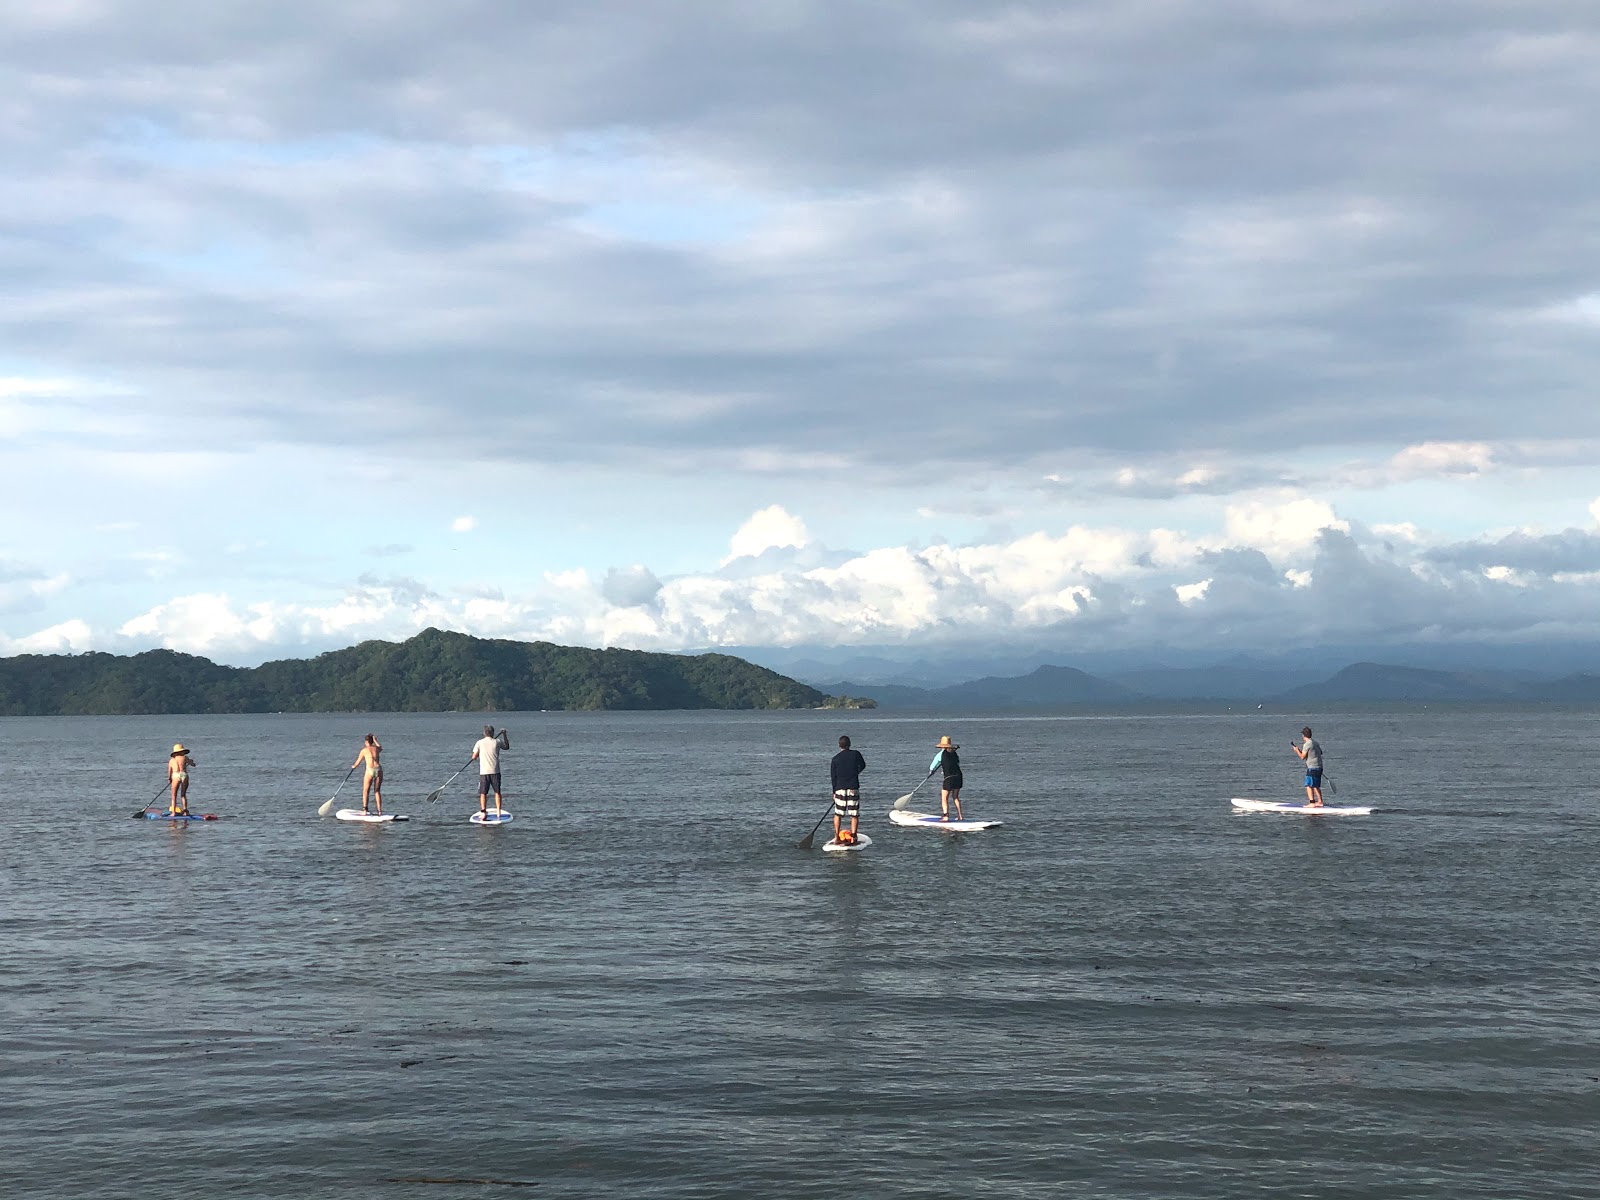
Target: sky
(1222,324)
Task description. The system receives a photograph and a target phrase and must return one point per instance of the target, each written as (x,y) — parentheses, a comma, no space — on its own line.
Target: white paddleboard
(902,816)
(481,818)
(1327,810)
(368,818)
(861,843)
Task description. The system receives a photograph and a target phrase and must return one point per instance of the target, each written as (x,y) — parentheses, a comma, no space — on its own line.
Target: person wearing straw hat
(949,762)
(178,764)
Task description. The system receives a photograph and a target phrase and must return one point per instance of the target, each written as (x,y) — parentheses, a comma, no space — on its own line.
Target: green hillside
(432,672)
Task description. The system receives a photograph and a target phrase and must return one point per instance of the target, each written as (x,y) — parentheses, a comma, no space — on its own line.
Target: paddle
(147,807)
(433,796)
(805,842)
(326,806)
(902,801)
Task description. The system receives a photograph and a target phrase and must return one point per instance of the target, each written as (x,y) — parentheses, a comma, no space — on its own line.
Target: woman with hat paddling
(178,764)
(950,789)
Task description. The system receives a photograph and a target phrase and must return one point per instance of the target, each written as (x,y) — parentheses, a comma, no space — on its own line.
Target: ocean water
(642,987)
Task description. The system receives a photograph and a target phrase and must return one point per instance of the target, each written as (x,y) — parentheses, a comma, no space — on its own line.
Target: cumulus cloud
(770,528)
(69,637)
(1283,526)
(463,524)
(1293,573)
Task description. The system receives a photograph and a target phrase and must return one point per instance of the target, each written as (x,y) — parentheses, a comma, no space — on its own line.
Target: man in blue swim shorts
(1311,752)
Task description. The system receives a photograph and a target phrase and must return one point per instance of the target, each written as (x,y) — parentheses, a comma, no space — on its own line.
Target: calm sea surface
(643,988)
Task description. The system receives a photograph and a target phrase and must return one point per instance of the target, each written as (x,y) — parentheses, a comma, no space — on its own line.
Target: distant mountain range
(434,671)
(1175,672)
(1065,687)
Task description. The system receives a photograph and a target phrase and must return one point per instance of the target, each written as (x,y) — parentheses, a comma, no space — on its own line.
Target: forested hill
(432,672)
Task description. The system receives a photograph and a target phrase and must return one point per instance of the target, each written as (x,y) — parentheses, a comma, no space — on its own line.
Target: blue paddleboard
(164,816)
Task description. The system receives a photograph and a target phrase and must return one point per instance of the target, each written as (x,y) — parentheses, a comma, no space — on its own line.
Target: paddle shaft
(433,796)
(902,801)
(327,805)
(158,796)
(806,842)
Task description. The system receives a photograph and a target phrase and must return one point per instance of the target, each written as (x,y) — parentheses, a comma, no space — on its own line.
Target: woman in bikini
(178,764)
(372,782)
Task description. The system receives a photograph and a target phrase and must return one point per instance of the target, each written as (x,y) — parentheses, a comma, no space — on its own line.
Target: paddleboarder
(1310,752)
(372,781)
(845,770)
(178,764)
(949,762)
(486,752)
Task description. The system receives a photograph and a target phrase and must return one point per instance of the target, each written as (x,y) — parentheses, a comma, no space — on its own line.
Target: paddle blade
(326,806)
(806,842)
(902,801)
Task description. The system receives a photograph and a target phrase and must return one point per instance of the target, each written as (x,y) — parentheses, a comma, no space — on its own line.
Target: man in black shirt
(846,769)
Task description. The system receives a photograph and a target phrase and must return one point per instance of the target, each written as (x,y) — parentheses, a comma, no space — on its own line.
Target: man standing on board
(1311,752)
(486,752)
(949,762)
(846,769)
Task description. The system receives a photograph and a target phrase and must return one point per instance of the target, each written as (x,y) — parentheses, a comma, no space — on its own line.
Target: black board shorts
(952,783)
(489,783)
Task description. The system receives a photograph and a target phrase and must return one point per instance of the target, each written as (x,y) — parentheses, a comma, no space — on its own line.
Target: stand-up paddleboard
(902,816)
(166,816)
(1327,810)
(482,818)
(861,843)
(368,818)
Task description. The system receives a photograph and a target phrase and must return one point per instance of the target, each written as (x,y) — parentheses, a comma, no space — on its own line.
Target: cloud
(753,242)
(464,524)
(769,528)
(985,263)
(1432,459)
(1285,526)
(1294,574)
(69,637)
(630,587)
(25,588)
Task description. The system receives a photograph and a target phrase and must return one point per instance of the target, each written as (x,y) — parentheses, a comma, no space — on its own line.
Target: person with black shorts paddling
(178,764)
(845,770)
(486,752)
(949,762)
(1310,751)
(372,781)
